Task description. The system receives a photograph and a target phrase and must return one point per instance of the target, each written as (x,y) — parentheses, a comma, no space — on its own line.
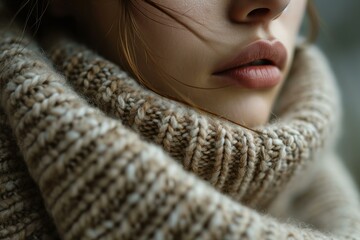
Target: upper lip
(272,51)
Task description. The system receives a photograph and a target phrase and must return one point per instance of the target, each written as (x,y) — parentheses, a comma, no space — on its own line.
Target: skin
(176,55)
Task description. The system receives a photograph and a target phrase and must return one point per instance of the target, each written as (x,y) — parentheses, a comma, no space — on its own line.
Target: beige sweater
(87,153)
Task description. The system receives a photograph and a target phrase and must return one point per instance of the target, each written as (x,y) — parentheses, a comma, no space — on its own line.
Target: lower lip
(254,77)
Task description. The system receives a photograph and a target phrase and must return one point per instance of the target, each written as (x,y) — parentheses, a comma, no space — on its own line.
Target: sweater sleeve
(99,180)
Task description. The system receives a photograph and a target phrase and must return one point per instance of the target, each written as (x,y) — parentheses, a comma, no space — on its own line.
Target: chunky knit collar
(250,166)
(214,149)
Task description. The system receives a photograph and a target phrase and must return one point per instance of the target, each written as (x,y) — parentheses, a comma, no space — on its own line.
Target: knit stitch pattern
(213,149)
(109,159)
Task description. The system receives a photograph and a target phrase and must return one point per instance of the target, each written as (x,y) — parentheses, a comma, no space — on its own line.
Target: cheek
(287,27)
(293,16)
(168,45)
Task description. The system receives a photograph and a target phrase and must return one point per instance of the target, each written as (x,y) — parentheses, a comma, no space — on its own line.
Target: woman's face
(228,57)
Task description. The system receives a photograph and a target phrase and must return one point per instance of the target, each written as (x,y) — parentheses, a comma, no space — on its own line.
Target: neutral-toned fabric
(88,153)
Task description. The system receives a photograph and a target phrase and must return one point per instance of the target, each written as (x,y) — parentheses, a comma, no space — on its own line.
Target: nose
(252,11)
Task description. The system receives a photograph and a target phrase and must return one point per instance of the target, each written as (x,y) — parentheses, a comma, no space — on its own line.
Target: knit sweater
(88,153)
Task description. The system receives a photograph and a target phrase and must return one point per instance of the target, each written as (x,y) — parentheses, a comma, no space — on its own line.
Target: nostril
(258,13)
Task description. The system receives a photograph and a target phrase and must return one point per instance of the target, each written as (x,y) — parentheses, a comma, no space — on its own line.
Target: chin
(251,120)
(253,114)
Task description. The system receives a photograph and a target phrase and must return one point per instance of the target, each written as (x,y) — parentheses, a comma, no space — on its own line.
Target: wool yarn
(211,148)
(88,153)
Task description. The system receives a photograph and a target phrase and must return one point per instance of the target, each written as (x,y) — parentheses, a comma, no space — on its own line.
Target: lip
(240,70)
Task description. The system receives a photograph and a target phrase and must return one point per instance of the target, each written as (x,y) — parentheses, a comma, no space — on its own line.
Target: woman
(113,160)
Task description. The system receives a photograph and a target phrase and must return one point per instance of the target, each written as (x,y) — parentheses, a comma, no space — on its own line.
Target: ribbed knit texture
(109,159)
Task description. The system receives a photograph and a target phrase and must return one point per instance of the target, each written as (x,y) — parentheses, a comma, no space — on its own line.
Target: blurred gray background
(340,40)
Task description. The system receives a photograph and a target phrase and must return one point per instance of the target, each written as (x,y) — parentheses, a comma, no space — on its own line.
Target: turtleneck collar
(250,166)
(214,149)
